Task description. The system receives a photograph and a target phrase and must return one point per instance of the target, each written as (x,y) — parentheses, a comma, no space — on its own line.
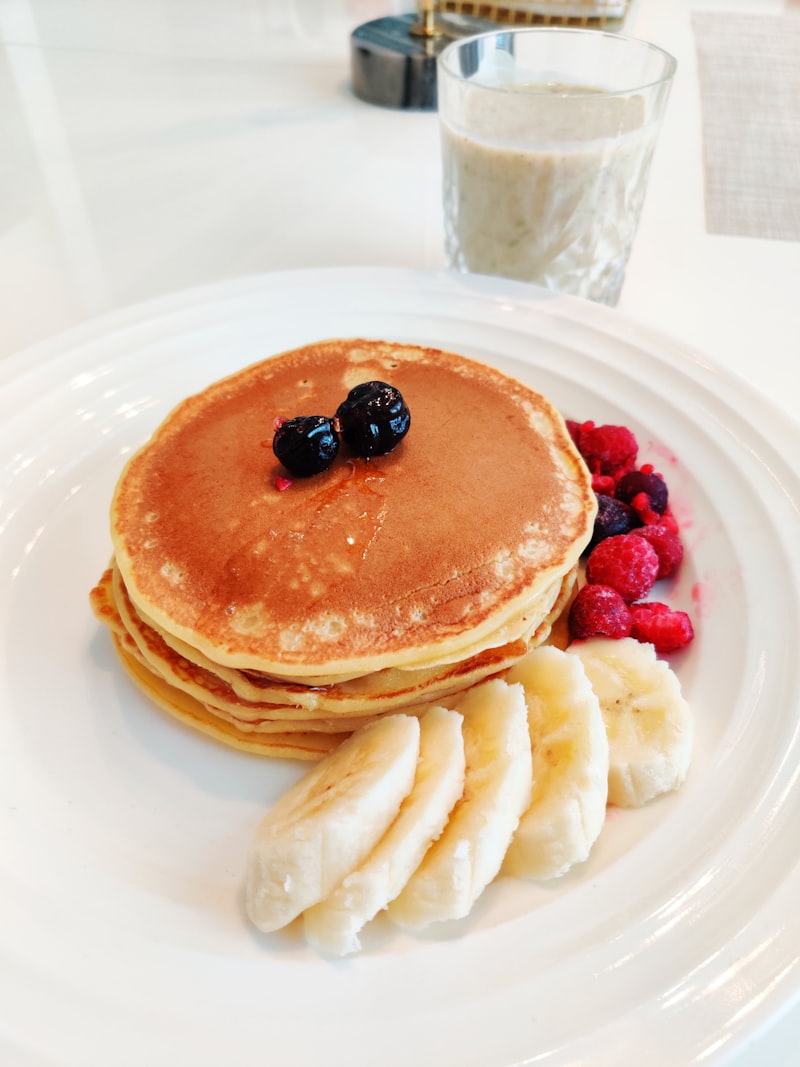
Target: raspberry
(669,520)
(668,546)
(598,611)
(574,430)
(607,449)
(625,562)
(613,517)
(603,483)
(658,625)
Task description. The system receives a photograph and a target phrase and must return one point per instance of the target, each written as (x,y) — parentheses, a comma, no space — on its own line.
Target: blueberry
(613,517)
(306,445)
(650,483)
(374,418)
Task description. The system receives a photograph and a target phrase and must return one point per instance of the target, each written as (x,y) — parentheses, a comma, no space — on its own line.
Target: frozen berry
(658,625)
(607,449)
(604,483)
(668,546)
(305,445)
(669,521)
(574,430)
(613,517)
(644,481)
(627,563)
(374,418)
(598,611)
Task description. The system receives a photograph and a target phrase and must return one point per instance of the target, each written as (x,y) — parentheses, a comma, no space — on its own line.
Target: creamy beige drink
(547,187)
(547,138)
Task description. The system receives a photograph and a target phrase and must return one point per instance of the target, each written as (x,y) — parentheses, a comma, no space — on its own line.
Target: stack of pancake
(279,619)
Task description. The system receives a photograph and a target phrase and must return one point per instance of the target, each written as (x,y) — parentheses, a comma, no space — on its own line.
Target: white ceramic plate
(122,938)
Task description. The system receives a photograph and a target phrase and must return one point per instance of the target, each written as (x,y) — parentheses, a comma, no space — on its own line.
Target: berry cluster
(635,543)
(372,420)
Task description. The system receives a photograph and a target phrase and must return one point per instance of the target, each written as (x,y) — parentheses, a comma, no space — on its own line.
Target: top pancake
(400,560)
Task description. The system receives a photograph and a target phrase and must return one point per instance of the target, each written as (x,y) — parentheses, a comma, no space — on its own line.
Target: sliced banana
(334,924)
(328,822)
(497,789)
(649,723)
(570,766)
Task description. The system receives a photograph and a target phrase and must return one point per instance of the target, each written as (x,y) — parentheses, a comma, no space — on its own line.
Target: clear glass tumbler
(547,137)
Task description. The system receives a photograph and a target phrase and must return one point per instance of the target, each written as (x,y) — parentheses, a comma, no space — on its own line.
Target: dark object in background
(393,59)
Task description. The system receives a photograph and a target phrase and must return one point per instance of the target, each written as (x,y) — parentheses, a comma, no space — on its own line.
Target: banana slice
(497,789)
(333,925)
(327,823)
(570,766)
(649,723)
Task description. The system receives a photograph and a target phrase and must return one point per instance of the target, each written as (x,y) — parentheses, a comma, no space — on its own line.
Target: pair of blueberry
(372,420)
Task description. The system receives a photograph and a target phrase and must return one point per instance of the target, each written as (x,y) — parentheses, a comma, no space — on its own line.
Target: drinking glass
(547,138)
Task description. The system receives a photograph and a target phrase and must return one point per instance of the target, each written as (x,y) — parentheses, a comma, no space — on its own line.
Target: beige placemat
(749,70)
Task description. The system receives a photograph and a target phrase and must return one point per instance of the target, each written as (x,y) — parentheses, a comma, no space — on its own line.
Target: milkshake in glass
(547,137)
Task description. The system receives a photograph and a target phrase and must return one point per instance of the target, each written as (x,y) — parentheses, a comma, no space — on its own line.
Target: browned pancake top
(372,562)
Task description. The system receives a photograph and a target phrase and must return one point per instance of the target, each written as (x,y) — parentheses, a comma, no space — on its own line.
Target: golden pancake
(295,745)
(259,687)
(409,560)
(519,628)
(242,726)
(334,710)
(303,739)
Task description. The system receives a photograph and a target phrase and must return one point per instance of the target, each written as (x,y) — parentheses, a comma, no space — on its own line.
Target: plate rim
(16,367)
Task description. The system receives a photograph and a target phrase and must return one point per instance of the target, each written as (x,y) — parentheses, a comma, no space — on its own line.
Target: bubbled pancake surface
(402,560)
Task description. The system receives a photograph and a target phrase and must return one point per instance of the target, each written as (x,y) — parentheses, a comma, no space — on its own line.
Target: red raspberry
(668,520)
(658,625)
(626,562)
(604,484)
(668,546)
(607,449)
(598,611)
(574,430)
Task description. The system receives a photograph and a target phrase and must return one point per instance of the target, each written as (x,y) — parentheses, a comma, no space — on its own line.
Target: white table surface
(147,146)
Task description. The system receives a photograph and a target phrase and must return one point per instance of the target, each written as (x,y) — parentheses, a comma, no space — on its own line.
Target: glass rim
(670,66)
